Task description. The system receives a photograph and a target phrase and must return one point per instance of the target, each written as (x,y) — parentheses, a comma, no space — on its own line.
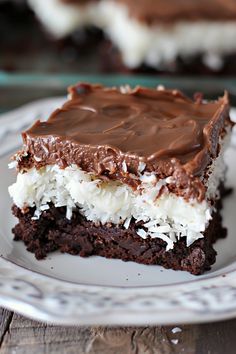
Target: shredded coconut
(127,223)
(141,166)
(142,233)
(165,216)
(124,166)
(157,45)
(37,159)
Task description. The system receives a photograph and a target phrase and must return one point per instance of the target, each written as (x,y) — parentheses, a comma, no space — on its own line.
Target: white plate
(67,289)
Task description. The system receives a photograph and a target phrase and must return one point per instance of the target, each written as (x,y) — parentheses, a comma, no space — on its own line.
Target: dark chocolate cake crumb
(53,231)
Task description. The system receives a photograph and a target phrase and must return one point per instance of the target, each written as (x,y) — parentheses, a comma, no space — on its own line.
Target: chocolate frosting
(100,129)
(152,11)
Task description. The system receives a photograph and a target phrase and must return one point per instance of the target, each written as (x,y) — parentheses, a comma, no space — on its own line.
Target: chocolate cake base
(53,231)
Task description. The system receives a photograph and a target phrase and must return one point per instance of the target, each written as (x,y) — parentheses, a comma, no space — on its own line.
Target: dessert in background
(27,47)
(164,35)
(134,174)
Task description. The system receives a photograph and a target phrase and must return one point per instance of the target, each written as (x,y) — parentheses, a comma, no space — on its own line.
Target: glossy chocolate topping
(152,11)
(101,128)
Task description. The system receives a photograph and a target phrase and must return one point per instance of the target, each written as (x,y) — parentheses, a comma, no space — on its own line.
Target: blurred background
(26,46)
(47,45)
(195,37)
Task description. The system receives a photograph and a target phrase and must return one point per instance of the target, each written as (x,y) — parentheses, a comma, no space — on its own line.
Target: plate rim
(47,298)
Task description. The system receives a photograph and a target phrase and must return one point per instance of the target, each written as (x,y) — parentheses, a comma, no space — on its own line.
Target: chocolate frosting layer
(152,11)
(112,132)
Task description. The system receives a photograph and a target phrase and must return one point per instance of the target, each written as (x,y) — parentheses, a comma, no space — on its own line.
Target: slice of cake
(166,35)
(135,174)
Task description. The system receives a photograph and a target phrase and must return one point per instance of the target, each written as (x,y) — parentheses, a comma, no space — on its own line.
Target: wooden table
(19,335)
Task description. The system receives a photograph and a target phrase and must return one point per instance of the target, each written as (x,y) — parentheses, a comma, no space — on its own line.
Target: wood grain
(19,335)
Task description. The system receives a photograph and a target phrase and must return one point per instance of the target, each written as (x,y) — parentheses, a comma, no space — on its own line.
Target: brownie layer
(53,231)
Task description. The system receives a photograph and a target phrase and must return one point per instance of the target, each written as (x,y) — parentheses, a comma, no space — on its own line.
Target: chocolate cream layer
(101,130)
